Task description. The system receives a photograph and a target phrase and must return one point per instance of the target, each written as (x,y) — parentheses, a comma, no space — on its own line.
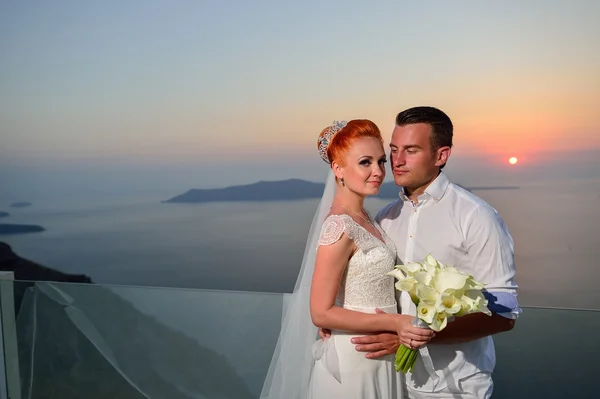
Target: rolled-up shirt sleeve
(490,249)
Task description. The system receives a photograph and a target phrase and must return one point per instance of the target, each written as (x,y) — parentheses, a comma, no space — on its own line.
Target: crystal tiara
(326,137)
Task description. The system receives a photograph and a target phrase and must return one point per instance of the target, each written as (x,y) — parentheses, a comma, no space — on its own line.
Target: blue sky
(176,94)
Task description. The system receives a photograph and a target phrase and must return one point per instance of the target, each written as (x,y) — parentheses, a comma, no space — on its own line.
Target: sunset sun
(513,160)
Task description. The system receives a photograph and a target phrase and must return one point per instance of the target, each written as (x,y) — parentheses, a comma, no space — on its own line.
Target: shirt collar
(435,190)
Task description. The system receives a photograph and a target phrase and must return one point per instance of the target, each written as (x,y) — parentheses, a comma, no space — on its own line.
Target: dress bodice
(364,284)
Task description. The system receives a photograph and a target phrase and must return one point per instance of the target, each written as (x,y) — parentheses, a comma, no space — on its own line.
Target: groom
(458,228)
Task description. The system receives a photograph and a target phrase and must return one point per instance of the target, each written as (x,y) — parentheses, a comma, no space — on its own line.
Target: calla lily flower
(449,280)
(479,301)
(429,295)
(396,273)
(426,312)
(466,305)
(449,304)
(431,261)
(473,284)
(430,269)
(406,284)
(440,321)
(423,278)
(410,268)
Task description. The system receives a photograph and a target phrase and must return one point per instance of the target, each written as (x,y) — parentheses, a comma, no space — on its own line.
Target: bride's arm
(331,262)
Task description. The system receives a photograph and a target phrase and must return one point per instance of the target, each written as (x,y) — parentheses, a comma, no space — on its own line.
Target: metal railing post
(10,381)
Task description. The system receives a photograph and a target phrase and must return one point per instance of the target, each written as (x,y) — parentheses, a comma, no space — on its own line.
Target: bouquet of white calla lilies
(439,292)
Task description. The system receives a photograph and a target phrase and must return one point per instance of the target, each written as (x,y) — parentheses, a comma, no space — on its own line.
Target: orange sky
(517,79)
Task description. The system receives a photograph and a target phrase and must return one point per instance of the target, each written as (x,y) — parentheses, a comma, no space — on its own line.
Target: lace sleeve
(332,230)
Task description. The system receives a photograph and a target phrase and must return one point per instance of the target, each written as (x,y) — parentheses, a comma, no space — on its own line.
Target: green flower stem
(405,365)
(405,355)
(398,359)
(412,360)
(403,362)
(412,367)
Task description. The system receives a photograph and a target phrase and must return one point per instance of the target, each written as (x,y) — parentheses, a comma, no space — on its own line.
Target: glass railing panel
(92,341)
(550,353)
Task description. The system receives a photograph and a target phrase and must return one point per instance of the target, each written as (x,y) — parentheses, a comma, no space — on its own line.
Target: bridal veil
(291,366)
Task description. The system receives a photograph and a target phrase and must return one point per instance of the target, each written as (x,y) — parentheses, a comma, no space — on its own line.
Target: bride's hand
(409,335)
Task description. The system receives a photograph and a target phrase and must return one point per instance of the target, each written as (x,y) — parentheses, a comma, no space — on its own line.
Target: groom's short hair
(441,125)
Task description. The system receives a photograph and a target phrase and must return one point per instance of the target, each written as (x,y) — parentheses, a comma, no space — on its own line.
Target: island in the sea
(283,190)
(8,228)
(292,189)
(20,204)
(11,228)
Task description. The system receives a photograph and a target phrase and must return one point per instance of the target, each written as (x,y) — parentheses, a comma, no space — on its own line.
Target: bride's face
(364,166)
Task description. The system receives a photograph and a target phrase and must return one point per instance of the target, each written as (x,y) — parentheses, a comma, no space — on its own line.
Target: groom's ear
(443,153)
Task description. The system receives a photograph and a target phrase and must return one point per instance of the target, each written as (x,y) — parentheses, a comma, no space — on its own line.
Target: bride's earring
(342,181)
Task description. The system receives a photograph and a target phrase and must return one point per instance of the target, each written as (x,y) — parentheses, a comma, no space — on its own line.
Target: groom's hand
(387,343)
(377,345)
(324,333)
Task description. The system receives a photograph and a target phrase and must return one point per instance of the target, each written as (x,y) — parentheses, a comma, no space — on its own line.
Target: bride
(342,282)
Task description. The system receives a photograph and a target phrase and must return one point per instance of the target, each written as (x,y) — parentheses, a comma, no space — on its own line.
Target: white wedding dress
(340,371)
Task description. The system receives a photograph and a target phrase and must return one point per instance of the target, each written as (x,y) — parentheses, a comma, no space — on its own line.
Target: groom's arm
(490,251)
(471,327)
(462,329)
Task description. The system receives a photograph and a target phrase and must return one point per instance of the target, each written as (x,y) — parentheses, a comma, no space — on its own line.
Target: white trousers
(477,386)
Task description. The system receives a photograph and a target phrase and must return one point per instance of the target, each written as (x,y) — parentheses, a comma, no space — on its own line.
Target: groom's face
(414,164)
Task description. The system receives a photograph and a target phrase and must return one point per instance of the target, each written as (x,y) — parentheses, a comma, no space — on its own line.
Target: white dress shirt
(460,229)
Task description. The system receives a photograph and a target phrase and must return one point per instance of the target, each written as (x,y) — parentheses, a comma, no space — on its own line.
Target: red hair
(343,140)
